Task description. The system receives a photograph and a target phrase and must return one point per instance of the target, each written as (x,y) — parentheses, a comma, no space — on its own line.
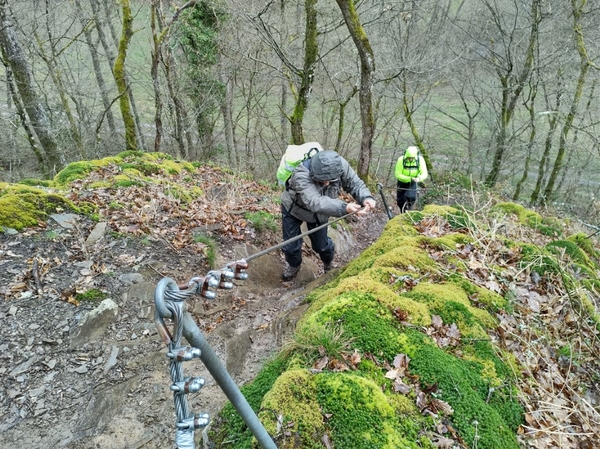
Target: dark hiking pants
(406,195)
(319,240)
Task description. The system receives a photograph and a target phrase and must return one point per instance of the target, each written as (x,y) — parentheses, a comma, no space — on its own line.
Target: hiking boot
(327,267)
(290,272)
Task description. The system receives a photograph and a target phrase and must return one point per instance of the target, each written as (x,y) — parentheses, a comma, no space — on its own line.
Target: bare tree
(160,34)
(36,110)
(86,25)
(577,9)
(512,76)
(50,57)
(367,71)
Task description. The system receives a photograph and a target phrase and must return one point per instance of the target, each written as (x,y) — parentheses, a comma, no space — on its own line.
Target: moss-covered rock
(571,249)
(30,201)
(549,226)
(292,404)
(385,302)
(22,206)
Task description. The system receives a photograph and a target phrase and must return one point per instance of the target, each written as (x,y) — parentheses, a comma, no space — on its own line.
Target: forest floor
(105,383)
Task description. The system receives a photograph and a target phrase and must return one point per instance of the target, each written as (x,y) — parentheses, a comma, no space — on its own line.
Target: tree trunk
(532,136)
(577,9)
(311,51)
(36,111)
(112,59)
(512,86)
(227,112)
(367,70)
(110,120)
(120,79)
(408,115)
(156,27)
(12,91)
(55,74)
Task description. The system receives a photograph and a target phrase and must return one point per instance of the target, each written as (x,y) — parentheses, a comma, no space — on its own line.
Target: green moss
(546,226)
(92,295)
(294,398)
(228,425)
(22,206)
(73,171)
(36,182)
(407,256)
(128,183)
(360,415)
(446,242)
(141,168)
(537,259)
(464,386)
(451,303)
(571,249)
(130,154)
(435,209)
(184,194)
(371,325)
(585,243)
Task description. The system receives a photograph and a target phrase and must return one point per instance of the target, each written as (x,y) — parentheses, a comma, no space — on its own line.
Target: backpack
(412,166)
(293,156)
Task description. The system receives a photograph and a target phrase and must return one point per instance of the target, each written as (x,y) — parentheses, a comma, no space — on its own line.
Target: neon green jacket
(406,174)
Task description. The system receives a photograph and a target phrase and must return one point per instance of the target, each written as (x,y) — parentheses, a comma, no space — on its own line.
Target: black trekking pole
(387,209)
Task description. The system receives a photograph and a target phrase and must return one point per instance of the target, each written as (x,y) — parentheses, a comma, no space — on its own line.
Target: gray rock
(65,220)
(131,278)
(94,323)
(96,234)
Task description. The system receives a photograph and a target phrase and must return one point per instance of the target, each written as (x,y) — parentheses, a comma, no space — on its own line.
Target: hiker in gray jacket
(311,196)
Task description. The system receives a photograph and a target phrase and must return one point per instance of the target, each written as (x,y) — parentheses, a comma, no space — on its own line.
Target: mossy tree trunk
(307,74)
(14,96)
(120,79)
(577,7)
(512,85)
(552,127)
(367,72)
(104,40)
(36,110)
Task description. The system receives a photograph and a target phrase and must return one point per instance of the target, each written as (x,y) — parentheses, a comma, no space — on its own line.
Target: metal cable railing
(169,300)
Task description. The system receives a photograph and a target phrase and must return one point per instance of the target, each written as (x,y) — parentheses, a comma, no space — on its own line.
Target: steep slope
(454,329)
(458,327)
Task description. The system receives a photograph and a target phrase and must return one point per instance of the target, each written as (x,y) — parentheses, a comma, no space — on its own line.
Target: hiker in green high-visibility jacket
(311,196)
(411,169)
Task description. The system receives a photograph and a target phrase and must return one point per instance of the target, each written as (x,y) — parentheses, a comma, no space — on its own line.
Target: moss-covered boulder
(29,202)
(22,206)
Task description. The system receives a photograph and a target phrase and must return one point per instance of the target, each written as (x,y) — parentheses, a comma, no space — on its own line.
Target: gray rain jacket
(309,201)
